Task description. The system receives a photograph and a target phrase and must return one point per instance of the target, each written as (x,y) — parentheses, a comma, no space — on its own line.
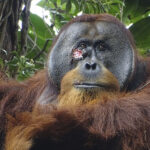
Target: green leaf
(39,26)
(135,8)
(40,29)
(114,2)
(76,5)
(63,1)
(141,33)
(41,3)
(91,8)
(68,6)
(86,9)
(130,6)
(46,4)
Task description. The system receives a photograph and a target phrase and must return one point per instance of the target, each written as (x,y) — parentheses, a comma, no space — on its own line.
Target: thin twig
(33,42)
(44,48)
(121,11)
(35,35)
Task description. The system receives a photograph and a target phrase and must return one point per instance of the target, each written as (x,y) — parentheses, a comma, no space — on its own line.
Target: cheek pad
(59,63)
(123,66)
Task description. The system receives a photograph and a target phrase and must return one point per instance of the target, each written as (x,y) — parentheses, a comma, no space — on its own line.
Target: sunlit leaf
(76,5)
(40,26)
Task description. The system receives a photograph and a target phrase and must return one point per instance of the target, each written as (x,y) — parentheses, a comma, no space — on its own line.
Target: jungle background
(25,37)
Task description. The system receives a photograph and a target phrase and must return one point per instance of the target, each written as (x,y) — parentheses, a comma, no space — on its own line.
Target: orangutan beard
(79,97)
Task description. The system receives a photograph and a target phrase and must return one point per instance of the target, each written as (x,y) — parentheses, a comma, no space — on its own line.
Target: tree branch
(41,52)
(25,23)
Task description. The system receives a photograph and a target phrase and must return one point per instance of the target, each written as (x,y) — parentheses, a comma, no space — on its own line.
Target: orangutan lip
(89,85)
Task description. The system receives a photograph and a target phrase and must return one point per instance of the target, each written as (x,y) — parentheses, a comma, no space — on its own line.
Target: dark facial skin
(100,44)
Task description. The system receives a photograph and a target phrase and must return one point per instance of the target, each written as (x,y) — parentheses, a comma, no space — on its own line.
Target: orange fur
(96,120)
(121,122)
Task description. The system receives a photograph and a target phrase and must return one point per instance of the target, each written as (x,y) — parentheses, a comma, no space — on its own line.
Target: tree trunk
(11,11)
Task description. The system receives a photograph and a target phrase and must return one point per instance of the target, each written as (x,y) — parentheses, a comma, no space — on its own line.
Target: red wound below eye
(77,54)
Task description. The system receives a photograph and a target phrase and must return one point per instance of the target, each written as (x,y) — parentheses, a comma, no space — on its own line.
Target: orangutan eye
(77,54)
(101,47)
(82,45)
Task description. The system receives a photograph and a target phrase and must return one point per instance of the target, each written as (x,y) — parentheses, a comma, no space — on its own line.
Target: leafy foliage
(133,13)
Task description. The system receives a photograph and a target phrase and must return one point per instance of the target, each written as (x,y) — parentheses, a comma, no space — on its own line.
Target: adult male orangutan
(93,95)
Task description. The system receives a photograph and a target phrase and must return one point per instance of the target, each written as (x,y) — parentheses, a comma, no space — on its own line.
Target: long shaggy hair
(80,120)
(118,123)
